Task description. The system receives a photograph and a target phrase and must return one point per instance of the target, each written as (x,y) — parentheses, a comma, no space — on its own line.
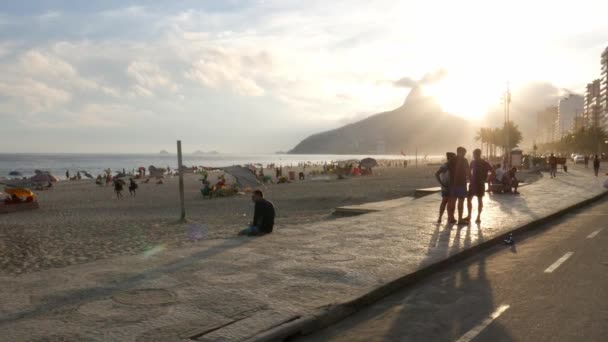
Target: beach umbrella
(14,173)
(368,163)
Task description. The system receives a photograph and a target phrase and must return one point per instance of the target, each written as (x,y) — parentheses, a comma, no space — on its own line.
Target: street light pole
(507,102)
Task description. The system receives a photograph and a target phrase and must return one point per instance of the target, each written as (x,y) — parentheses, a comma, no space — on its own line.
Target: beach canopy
(244,177)
(14,173)
(368,163)
(44,177)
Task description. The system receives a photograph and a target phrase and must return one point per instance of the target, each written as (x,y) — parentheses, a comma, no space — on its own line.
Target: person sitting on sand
(263,216)
(132,187)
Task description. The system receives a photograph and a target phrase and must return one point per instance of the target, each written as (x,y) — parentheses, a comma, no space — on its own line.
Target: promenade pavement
(237,289)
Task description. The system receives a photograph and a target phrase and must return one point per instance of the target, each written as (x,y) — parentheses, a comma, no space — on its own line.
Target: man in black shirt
(263,216)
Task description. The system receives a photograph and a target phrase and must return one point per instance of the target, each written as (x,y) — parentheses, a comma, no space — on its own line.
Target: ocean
(57,164)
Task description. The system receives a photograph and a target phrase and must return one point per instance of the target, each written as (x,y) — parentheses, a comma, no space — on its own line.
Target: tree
(515,136)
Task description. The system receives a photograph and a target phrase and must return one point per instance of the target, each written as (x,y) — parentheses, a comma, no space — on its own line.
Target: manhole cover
(145,297)
(334,257)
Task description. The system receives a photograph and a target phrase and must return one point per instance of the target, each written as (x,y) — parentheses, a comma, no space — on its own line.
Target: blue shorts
(458,191)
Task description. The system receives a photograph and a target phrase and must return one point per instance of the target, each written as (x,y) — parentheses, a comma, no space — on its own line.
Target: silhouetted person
(67,174)
(596,165)
(443,177)
(553,166)
(512,182)
(479,174)
(132,187)
(118,188)
(459,174)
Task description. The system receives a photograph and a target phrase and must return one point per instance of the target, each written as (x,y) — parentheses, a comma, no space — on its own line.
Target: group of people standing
(454,176)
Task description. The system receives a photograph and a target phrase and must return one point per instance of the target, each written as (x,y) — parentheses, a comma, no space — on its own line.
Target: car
(579,159)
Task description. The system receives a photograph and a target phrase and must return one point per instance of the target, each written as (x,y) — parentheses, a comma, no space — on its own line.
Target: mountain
(418,123)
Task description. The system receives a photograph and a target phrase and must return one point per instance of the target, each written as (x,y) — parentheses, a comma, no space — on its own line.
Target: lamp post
(507,103)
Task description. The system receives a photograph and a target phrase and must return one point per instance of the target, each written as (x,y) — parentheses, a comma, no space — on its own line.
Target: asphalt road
(552,285)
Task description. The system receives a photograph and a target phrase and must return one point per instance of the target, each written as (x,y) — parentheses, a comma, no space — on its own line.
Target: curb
(333,313)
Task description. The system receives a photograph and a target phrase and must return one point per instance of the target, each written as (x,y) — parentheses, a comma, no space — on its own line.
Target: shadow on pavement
(67,300)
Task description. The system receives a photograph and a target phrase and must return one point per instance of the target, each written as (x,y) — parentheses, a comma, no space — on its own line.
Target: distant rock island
(418,123)
(163,152)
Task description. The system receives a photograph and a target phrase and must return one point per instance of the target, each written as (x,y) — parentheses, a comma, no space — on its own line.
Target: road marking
(471,334)
(594,234)
(558,262)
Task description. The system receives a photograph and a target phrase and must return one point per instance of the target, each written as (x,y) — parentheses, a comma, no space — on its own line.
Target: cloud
(433,77)
(27,96)
(428,78)
(150,79)
(232,70)
(405,82)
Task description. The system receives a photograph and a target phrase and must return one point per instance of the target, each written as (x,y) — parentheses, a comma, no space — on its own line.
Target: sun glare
(464,99)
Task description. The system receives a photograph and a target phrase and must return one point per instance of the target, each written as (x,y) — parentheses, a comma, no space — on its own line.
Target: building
(578,123)
(593,107)
(568,108)
(545,125)
(604,87)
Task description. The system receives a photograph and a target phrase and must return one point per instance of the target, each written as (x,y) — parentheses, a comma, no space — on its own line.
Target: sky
(258,76)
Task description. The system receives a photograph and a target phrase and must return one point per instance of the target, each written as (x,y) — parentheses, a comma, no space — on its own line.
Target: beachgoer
(553,165)
(118,188)
(511,181)
(99,180)
(500,173)
(443,177)
(301,176)
(586,158)
(132,187)
(479,174)
(78,175)
(67,174)
(263,216)
(596,165)
(459,174)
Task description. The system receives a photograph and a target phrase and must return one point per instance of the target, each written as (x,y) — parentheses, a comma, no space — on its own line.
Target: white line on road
(558,262)
(471,334)
(594,234)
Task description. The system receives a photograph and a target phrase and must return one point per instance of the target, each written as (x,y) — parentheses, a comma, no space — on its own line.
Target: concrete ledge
(331,314)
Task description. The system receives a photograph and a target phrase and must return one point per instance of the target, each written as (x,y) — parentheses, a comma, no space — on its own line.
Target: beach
(79,221)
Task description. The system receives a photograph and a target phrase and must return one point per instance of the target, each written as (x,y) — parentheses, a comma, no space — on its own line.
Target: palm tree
(482,135)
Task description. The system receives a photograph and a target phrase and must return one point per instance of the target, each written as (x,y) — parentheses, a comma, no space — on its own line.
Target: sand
(80,222)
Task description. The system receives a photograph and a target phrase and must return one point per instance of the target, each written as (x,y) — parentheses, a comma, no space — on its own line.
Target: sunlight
(470,99)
